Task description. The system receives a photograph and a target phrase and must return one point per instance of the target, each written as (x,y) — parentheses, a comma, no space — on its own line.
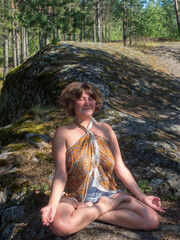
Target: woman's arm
(59,179)
(126,177)
(122,171)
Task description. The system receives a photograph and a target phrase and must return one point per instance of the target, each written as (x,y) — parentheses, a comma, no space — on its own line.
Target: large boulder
(141,103)
(114,69)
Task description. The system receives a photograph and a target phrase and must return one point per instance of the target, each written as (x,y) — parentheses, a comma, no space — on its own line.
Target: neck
(84,122)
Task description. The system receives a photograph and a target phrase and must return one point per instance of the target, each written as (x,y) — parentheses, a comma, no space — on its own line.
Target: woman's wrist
(53,203)
(141,197)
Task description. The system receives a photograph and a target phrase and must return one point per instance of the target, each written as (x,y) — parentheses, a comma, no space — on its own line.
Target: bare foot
(112,203)
(89,204)
(78,205)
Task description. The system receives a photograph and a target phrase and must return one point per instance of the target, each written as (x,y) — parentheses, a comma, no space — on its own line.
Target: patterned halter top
(89,158)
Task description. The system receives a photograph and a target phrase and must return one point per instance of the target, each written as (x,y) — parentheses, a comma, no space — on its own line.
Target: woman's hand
(48,214)
(153,202)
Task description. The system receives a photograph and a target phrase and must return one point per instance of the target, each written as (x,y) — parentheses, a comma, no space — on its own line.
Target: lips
(86,108)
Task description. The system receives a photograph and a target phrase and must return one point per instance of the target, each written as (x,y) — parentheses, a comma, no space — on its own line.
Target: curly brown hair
(74,91)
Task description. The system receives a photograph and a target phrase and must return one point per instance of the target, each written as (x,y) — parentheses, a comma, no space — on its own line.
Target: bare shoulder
(63,131)
(104,126)
(104,130)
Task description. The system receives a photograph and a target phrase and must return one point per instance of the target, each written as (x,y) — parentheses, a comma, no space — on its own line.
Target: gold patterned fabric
(88,157)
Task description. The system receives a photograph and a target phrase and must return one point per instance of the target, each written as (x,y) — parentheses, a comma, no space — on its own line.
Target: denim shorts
(94,194)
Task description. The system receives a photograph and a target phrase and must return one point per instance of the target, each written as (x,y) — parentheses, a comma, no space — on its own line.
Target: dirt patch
(169,55)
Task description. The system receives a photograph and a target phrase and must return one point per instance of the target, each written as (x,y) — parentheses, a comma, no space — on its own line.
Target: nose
(86,102)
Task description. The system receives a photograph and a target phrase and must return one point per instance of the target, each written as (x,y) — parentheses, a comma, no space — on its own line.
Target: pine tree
(177,15)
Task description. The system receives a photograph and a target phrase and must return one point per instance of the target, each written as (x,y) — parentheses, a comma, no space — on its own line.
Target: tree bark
(34,41)
(27,44)
(84,22)
(106,22)
(18,47)
(124,22)
(23,44)
(14,45)
(6,57)
(94,18)
(177,15)
(99,21)
(40,40)
(131,24)
(9,42)
(58,35)
(70,24)
(13,37)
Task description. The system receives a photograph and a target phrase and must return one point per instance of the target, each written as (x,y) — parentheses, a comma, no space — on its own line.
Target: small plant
(144,187)
(36,188)
(34,195)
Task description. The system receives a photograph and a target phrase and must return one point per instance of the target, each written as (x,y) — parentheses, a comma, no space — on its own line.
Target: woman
(83,190)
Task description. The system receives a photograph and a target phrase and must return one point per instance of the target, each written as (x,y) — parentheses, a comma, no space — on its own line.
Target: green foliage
(34,188)
(144,187)
(34,195)
(74,19)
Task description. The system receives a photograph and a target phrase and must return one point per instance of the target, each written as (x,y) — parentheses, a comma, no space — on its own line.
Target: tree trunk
(84,22)
(40,40)
(70,24)
(177,15)
(23,44)
(13,37)
(58,35)
(34,41)
(54,29)
(94,18)
(18,47)
(10,37)
(106,17)
(64,36)
(6,57)
(26,45)
(124,22)
(131,24)
(99,21)
(14,45)
(109,39)
(46,40)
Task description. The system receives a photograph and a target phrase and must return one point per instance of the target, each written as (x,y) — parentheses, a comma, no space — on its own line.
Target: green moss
(44,157)
(37,139)
(49,159)
(39,155)
(20,128)
(17,146)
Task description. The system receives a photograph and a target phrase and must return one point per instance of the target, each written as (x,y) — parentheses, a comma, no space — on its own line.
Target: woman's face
(85,106)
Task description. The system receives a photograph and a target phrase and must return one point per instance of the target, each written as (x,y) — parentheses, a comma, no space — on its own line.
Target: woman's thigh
(134,214)
(63,214)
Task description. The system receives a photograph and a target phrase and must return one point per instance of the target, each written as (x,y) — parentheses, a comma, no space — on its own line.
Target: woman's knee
(60,228)
(150,221)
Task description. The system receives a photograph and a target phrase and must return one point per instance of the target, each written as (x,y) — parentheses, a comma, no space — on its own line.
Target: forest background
(29,25)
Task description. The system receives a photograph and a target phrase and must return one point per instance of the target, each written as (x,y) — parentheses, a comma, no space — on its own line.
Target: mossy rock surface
(40,79)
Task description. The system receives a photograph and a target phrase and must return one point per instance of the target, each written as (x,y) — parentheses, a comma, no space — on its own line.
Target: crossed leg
(134,215)
(69,220)
(119,210)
